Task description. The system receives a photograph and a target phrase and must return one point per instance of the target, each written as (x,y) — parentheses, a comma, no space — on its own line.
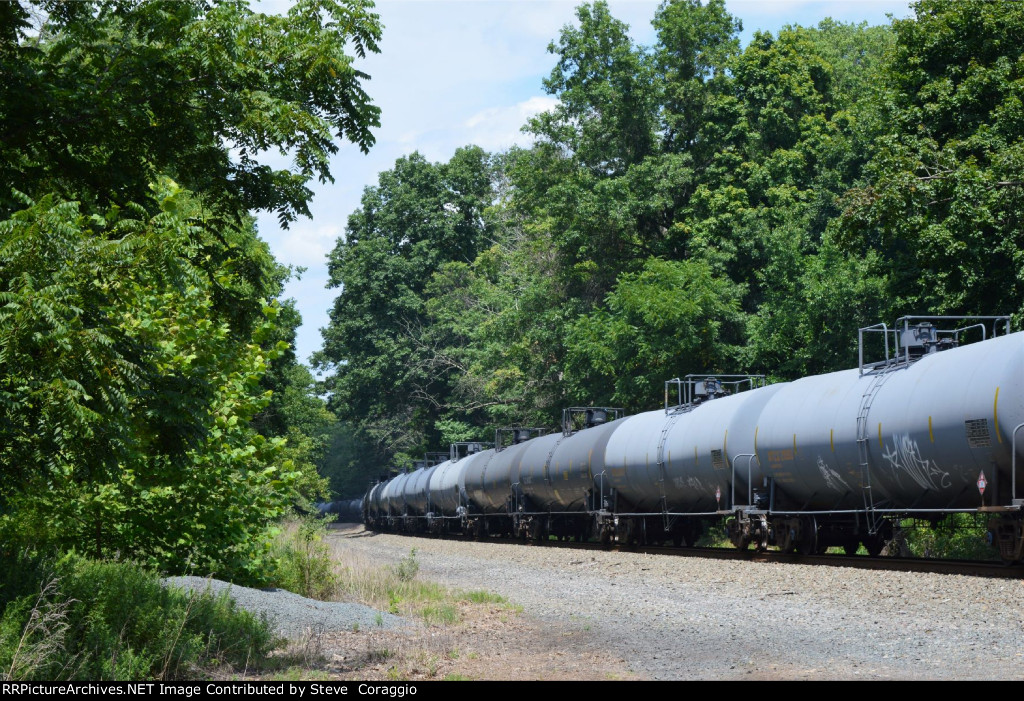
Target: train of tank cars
(930,429)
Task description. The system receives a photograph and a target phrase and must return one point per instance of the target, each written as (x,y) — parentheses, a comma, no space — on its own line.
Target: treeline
(151,407)
(688,207)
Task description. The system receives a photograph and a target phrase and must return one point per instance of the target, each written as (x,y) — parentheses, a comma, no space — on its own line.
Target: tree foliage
(132,90)
(420,216)
(698,206)
(137,312)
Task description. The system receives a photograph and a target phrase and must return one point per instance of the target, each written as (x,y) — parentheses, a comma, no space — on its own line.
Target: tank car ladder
(662,461)
(872,518)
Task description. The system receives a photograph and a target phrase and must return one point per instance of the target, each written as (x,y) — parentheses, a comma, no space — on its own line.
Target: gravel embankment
(292,615)
(696,618)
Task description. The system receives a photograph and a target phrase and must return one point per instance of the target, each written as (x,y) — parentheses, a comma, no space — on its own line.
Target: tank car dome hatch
(579,418)
(708,388)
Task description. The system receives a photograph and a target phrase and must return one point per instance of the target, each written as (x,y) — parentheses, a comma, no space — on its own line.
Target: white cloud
(499,128)
(306,243)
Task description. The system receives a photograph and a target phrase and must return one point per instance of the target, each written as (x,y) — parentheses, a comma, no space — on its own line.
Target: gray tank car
(931,428)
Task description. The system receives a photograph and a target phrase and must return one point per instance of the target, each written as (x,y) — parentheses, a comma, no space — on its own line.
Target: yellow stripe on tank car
(794,444)
(755,445)
(995,415)
(725,442)
(931,434)
(832,439)
(880,435)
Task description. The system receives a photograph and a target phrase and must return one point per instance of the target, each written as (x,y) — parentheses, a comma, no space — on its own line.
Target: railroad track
(971,568)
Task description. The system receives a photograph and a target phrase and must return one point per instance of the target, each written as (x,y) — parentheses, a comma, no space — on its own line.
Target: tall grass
(394,588)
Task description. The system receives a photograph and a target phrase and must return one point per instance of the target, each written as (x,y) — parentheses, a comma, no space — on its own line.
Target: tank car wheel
(851,547)
(808,543)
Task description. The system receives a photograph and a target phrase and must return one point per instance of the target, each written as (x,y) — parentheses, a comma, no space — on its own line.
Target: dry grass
(43,634)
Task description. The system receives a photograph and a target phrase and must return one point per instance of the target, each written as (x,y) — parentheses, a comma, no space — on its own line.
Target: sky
(457,72)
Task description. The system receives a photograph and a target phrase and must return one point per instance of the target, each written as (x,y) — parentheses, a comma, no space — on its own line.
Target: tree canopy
(138,310)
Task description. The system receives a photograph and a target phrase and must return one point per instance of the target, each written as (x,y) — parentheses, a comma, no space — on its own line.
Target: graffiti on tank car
(833,480)
(690,482)
(904,457)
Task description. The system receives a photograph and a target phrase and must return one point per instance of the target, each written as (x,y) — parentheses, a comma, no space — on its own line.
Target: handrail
(750,487)
(1013,465)
(860,343)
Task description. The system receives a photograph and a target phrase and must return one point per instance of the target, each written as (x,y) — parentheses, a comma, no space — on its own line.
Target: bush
(304,563)
(80,619)
(957,536)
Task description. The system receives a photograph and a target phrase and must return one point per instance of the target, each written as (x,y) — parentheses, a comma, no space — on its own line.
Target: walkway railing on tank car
(462,449)
(431,459)
(925,335)
(513,435)
(692,387)
(952,336)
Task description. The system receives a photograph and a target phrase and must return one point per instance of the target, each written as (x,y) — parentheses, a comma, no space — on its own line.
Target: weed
(380,654)
(43,634)
(407,567)
(456,677)
(300,674)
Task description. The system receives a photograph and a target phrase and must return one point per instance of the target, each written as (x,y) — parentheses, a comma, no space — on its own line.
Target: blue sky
(457,72)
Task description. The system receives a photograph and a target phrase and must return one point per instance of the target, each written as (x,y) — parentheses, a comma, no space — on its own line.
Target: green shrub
(407,567)
(304,563)
(958,536)
(101,620)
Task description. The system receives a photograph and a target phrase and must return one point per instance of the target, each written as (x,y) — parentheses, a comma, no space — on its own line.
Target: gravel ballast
(697,618)
(294,616)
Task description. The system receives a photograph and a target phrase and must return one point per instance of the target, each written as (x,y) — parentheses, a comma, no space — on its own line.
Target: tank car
(929,429)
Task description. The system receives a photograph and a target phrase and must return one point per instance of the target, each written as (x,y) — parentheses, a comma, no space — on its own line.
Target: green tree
(106,96)
(135,329)
(666,321)
(382,376)
(941,201)
(125,404)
